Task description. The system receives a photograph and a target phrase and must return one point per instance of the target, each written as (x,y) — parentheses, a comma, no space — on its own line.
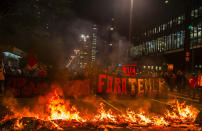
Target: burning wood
(59,115)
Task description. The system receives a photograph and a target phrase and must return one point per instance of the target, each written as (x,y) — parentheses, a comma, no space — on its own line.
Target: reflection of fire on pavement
(59,114)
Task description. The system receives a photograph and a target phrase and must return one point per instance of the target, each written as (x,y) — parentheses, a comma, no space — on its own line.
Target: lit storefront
(11,55)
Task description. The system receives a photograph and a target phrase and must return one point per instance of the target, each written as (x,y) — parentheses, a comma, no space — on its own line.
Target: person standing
(193,81)
(199,79)
(180,81)
(172,81)
(2,78)
(200,86)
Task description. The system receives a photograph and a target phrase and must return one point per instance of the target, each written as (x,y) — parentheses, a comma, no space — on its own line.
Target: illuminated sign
(170,67)
(8,54)
(129,70)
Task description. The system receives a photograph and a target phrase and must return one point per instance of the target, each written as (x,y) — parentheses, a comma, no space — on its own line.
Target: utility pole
(131,22)
(130,28)
(187,51)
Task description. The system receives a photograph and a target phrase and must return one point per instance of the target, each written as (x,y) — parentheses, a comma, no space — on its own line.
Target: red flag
(32,61)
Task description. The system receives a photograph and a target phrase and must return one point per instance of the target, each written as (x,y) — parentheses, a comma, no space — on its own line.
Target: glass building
(180,34)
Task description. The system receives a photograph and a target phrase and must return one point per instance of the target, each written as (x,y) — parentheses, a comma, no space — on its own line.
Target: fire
(105,116)
(18,125)
(182,113)
(142,118)
(58,108)
(59,113)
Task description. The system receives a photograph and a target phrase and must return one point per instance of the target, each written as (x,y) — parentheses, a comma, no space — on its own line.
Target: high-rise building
(84,53)
(109,44)
(93,43)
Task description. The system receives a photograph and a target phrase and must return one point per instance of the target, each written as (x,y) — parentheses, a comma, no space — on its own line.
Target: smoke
(119,51)
(58,47)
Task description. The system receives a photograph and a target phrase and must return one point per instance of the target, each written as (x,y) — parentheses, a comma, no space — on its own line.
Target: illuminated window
(195,32)
(192,13)
(199,33)
(196,13)
(182,38)
(191,32)
(178,39)
(164,26)
(171,23)
(179,20)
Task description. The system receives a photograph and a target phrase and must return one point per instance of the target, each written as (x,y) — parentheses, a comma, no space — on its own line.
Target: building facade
(85,49)
(11,55)
(178,42)
(93,43)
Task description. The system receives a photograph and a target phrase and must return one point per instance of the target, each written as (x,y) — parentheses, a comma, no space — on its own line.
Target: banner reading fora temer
(124,86)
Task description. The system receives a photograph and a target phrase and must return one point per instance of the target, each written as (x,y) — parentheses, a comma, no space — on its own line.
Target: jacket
(193,81)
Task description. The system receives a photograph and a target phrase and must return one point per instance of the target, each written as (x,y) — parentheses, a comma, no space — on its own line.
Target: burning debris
(59,114)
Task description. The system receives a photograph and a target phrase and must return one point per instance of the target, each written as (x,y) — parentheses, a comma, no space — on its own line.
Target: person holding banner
(180,81)
(193,81)
(172,81)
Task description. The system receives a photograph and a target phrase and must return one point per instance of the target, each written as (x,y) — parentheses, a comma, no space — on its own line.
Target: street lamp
(76,51)
(131,21)
(130,28)
(84,37)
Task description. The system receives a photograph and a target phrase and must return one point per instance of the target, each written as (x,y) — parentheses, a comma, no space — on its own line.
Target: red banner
(122,86)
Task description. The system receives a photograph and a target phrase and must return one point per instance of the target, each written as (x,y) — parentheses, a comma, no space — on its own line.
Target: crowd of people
(189,83)
(39,71)
(6,72)
(184,82)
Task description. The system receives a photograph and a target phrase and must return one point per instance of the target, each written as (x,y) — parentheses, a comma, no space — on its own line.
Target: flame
(182,113)
(58,109)
(142,118)
(105,116)
(18,125)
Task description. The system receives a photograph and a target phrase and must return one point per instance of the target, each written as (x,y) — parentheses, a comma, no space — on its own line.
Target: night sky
(84,13)
(147,13)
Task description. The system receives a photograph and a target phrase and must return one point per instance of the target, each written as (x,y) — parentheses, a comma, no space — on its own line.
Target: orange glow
(59,113)
(58,109)
(182,113)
